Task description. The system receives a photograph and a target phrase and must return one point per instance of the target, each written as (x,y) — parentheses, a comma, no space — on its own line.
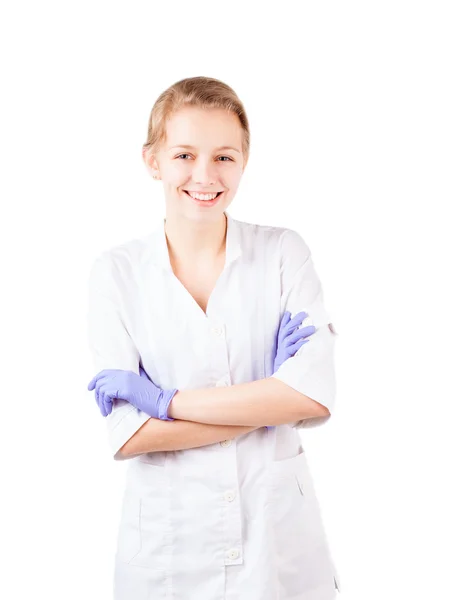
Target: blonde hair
(203,92)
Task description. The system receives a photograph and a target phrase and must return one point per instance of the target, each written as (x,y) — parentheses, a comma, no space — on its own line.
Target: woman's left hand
(138,390)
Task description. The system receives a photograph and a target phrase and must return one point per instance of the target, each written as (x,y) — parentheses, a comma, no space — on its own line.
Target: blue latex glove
(138,390)
(142,393)
(288,340)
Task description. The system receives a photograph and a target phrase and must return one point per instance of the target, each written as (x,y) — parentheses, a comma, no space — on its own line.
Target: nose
(205,173)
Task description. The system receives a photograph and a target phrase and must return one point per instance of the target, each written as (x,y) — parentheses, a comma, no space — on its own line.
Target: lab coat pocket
(296,529)
(151,484)
(129,542)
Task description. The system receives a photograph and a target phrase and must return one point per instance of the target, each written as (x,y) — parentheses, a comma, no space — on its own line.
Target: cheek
(234,172)
(174,172)
(233,178)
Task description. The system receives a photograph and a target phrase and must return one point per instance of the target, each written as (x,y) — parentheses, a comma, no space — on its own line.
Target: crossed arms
(210,415)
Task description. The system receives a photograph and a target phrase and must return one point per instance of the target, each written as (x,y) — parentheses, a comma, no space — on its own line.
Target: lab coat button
(226,443)
(217,330)
(229,496)
(232,554)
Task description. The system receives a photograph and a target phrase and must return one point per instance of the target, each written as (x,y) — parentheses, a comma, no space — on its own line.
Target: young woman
(204,378)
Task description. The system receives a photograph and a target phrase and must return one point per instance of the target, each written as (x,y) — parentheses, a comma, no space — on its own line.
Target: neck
(190,241)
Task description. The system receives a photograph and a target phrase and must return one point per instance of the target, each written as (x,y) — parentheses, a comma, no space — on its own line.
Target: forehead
(203,128)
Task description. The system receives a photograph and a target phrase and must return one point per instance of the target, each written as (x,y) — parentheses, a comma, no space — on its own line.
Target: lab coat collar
(233,243)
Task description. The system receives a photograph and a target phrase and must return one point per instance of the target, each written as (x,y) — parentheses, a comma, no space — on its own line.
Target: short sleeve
(311,370)
(111,347)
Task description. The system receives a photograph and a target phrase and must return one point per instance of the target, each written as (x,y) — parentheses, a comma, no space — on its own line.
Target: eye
(227,157)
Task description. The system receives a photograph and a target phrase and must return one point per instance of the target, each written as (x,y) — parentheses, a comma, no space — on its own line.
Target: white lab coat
(238,519)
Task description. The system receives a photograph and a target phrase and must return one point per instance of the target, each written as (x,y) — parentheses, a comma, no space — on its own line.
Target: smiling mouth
(218,194)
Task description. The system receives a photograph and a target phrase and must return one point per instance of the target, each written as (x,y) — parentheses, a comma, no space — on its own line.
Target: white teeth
(202,196)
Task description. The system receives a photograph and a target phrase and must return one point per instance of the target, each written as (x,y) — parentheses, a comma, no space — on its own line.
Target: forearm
(257,403)
(157,435)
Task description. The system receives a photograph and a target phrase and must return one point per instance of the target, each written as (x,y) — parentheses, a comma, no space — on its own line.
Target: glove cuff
(166,398)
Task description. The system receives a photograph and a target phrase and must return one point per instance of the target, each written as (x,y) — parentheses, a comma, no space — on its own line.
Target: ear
(150,162)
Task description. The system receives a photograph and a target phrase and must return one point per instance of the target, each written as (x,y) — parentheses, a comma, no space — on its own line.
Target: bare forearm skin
(257,403)
(157,435)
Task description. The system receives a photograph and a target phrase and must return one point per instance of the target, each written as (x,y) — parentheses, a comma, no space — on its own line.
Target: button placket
(218,354)
(232,554)
(219,360)
(231,505)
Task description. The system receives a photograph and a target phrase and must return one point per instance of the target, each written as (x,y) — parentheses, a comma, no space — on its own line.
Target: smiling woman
(210,166)
(216,504)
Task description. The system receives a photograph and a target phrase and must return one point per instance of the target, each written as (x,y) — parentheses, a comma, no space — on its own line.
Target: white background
(353,108)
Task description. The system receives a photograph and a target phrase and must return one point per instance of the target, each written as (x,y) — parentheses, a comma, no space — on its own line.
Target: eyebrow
(193,147)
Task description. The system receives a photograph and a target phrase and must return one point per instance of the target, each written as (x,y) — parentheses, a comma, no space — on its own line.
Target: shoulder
(119,263)
(286,242)
(283,249)
(293,245)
